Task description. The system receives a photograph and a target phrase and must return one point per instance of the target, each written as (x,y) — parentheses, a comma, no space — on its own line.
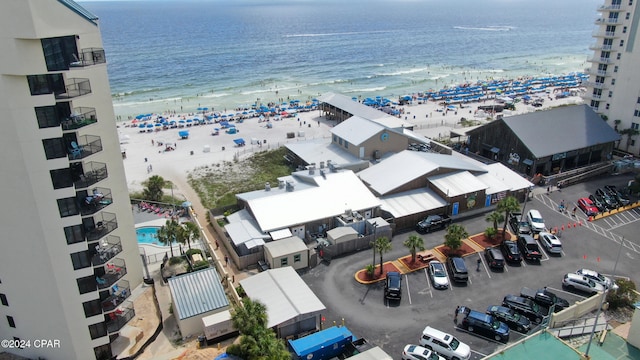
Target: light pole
(526,198)
(373,242)
(604,296)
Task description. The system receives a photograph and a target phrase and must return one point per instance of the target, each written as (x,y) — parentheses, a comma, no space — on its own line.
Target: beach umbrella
(181,122)
(158,124)
(141,126)
(186,204)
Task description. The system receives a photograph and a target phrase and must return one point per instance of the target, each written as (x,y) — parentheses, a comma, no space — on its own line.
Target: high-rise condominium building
(68,258)
(613,89)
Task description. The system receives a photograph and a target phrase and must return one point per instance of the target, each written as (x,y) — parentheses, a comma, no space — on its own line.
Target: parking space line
(406,278)
(486,269)
(426,276)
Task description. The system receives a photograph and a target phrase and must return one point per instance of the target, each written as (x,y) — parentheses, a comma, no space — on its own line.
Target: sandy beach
(145,157)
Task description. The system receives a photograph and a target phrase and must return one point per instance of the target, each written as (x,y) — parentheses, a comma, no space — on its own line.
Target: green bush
(624,296)
(240,291)
(199,265)
(190,252)
(176,260)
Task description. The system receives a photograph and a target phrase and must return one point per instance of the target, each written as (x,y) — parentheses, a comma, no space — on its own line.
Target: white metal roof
(514,180)
(280,234)
(357,109)
(457,183)
(356,130)
(197,293)
(284,294)
(291,245)
(408,165)
(341,231)
(333,194)
(412,202)
(494,184)
(243,231)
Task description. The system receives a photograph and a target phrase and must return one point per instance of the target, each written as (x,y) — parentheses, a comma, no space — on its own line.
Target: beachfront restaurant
(546,142)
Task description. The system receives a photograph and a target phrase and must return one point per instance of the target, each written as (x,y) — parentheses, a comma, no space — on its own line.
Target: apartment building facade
(69,258)
(613,89)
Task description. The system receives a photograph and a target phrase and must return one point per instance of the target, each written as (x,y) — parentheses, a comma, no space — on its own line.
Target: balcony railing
(105,250)
(119,318)
(610,7)
(595,84)
(113,271)
(608,34)
(92,173)
(599,72)
(608,21)
(118,293)
(74,87)
(80,117)
(596,96)
(91,203)
(597,46)
(88,57)
(101,226)
(86,145)
(601,60)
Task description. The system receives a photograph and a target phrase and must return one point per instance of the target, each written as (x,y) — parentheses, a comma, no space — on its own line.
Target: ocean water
(181,55)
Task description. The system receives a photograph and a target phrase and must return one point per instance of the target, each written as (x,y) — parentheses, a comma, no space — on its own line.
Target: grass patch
(217,184)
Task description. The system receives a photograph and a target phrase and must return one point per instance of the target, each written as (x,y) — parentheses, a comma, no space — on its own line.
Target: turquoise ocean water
(181,55)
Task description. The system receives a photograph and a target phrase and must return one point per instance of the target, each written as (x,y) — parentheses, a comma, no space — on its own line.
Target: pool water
(148,235)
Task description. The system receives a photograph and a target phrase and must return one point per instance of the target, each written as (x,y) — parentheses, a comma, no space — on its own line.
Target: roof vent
(280,184)
(267,186)
(321,164)
(290,185)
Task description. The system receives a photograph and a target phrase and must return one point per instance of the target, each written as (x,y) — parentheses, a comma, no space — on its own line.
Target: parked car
(525,307)
(393,286)
(457,269)
(433,222)
(582,283)
(416,352)
(621,198)
(598,203)
(494,258)
(483,324)
(535,220)
(587,206)
(438,275)
(606,282)
(510,251)
(544,297)
(551,243)
(444,344)
(529,248)
(518,224)
(508,316)
(610,201)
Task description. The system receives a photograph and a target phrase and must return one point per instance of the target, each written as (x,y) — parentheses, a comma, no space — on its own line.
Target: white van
(444,344)
(535,221)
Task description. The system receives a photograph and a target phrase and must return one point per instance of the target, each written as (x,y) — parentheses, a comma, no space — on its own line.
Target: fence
(575,311)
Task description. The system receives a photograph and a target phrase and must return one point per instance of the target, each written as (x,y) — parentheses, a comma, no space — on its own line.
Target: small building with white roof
(290,251)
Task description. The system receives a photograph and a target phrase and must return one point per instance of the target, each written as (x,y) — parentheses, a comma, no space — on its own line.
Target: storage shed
(290,251)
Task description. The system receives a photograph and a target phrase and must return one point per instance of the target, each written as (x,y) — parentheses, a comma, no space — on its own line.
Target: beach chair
(100,280)
(75,150)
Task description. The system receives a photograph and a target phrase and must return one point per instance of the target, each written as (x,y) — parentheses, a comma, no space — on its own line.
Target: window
(340,141)
(46,116)
(613,81)
(98,330)
(92,308)
(619,56)
(59,52)
(627,16)
(81,260)
(335,138)
(68,207)
(87,284)
(607,106)
(284,262)
(61,178)
(74,234)
(39,84)
(636,113)
(635,126)
(610,93)
(595,104)
(3,300)
(638,101)
(296,258)
(615,69)
(621,43)
(54,148)
(624,29)
(103,352)
(632,142)
(11,322)
(346,144)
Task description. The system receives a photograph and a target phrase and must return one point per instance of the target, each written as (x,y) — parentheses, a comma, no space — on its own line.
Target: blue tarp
(324,344)
(183,134)
(239,141)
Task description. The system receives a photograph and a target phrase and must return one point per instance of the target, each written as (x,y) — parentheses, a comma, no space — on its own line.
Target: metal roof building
(195,295)
(291,305)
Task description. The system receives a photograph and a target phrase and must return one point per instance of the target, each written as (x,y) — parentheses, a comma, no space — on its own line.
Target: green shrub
(199,265)
(624,296)
(240,291)
(190,252)
(176,260)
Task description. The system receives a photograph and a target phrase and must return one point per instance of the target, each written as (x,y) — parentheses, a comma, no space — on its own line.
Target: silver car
(582,283)
(606,282)
(438,275)
(551,243)
(416,352)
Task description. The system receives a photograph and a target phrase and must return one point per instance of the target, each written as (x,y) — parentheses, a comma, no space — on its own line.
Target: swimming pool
(148,235)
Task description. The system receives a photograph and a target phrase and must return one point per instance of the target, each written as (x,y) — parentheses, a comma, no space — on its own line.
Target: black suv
(494,258)
(525,307)
(510,250)
(393,286)
(610,201)
(508,316)
(598,202)
(483,324)
(613,192)
(433,222)
(529,248)
(457,269)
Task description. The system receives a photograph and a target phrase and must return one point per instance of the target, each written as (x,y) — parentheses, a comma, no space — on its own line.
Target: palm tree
(153,191)
(249,316)
(453,237)
(414,242)
(495,217)
(171,228)
(507,206)
(382,245)
(192,232)
(164,238)
(630,133)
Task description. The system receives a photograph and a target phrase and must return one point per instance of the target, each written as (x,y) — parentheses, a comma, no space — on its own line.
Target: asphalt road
(391,326)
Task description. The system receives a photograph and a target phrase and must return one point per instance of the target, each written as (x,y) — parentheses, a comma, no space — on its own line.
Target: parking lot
(392,325)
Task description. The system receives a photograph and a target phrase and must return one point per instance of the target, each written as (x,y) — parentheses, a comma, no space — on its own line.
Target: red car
(587,206)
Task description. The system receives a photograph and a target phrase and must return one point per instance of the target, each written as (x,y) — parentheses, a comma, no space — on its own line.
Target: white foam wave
(404,72)
(366,89)
(486,28)
(216,95)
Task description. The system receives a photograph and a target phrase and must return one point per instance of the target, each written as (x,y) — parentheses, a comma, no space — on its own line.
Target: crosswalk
(602,226)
